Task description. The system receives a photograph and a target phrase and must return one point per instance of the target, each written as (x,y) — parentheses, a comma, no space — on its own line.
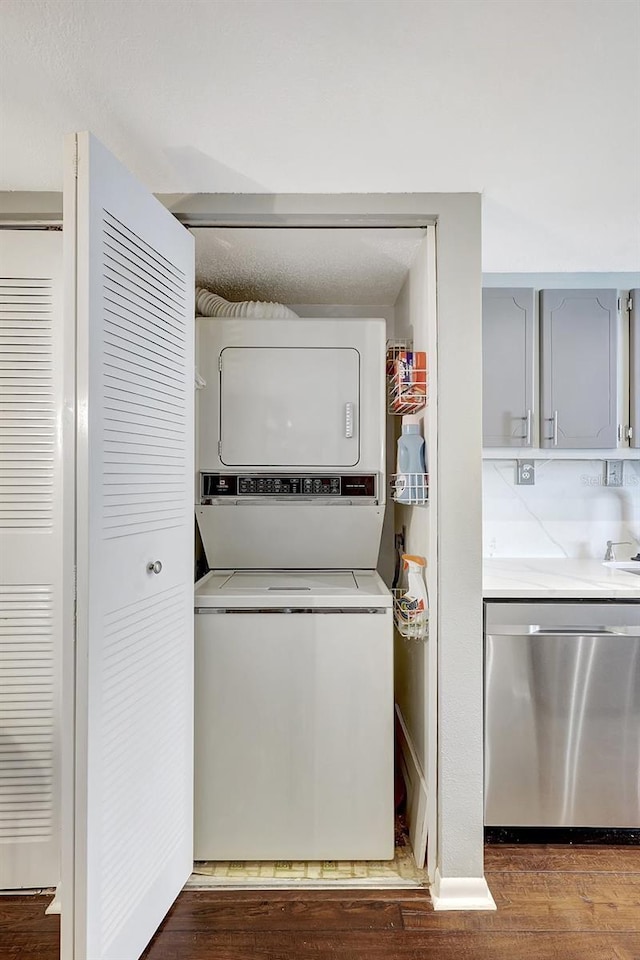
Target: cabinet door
(579,351)
(634,369)
(508,358)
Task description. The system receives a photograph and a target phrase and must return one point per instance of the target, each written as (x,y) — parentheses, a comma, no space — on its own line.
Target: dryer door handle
(348,420)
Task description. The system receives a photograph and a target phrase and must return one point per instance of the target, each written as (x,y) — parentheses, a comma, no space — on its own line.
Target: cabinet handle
(154,566)
(528,440)
(348,420)
(555,428)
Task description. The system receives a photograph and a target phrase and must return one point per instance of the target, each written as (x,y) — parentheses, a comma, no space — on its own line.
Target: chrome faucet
(610,554)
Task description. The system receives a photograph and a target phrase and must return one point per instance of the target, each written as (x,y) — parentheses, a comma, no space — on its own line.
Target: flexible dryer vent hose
(211,305)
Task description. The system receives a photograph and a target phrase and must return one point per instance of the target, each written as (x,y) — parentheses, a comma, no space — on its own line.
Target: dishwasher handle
(574,632)
(534,630)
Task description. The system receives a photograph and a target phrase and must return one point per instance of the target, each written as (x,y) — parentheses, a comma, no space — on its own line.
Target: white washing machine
(294,716)
(294,634)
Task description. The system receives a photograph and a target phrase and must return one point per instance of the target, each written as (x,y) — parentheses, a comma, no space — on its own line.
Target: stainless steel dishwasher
(562,714)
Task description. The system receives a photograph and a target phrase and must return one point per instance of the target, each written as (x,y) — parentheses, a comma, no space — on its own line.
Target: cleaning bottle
(411,468)
(412,607)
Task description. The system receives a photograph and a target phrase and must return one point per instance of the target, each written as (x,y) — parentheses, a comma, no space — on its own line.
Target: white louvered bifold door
(30,556)
(134,660)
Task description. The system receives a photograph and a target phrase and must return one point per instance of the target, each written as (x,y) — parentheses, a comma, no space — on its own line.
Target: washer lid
(292,588)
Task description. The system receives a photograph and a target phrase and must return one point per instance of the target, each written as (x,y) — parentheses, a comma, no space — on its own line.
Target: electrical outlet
(525,472)
(614,473)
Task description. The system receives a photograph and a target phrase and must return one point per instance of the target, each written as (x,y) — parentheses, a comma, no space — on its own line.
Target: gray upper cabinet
(508,358)
(634,368)
(579,353)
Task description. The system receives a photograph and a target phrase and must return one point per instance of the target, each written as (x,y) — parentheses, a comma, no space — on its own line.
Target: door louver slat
(25,368)
(151,447)
(26,718)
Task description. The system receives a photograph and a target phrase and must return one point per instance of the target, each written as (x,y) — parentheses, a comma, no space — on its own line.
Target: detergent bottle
(411,469)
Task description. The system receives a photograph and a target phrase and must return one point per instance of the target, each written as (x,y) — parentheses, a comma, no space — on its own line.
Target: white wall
(534,104)
(460,669)
(569,512)
(412,317)
(416,661)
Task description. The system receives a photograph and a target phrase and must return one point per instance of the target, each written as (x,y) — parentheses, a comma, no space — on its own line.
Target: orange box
(409,384)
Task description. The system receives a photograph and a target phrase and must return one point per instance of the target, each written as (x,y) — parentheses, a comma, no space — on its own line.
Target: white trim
(55,907)
(432,547)
(461,893)
(417,790)
(70,513)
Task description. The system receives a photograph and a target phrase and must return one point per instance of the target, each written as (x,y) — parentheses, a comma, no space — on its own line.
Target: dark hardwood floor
(554,903)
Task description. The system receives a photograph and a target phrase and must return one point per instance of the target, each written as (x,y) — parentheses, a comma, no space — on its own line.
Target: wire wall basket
(411,622)
(410,488)
(407,378)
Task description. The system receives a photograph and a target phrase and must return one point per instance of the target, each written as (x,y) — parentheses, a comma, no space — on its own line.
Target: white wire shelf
(407,378)
(410,488)
(411,622)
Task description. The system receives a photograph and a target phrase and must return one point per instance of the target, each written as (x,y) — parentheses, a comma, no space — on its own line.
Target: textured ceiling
(534,102)
(306,266)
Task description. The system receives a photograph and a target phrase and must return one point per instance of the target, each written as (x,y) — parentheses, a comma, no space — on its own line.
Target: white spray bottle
(416,592)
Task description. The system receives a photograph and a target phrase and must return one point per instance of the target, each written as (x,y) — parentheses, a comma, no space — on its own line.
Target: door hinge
(630,304)
(219,448)
(220,363)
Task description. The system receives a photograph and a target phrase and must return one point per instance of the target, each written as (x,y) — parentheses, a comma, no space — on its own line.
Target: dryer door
(289,407)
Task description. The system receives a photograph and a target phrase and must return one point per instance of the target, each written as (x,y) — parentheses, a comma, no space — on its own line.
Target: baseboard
(55,907)
(461,893)
(417,792)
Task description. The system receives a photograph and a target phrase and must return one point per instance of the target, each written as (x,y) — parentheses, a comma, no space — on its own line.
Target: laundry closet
(296,512)
(105,443)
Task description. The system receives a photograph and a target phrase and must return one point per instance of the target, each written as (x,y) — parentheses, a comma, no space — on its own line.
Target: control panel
(303,486)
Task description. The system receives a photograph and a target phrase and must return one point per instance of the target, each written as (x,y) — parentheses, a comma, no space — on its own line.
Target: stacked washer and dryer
(294,627)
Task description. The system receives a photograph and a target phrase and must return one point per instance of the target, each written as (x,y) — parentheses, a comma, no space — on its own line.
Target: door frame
(455,693)
(458,751)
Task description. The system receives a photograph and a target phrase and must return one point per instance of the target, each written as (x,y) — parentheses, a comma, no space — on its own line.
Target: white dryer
(294,635)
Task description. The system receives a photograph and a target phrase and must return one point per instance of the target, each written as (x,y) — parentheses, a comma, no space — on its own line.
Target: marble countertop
(556,578)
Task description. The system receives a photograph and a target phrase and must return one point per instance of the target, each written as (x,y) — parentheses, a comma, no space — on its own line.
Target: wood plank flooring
(554,903)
